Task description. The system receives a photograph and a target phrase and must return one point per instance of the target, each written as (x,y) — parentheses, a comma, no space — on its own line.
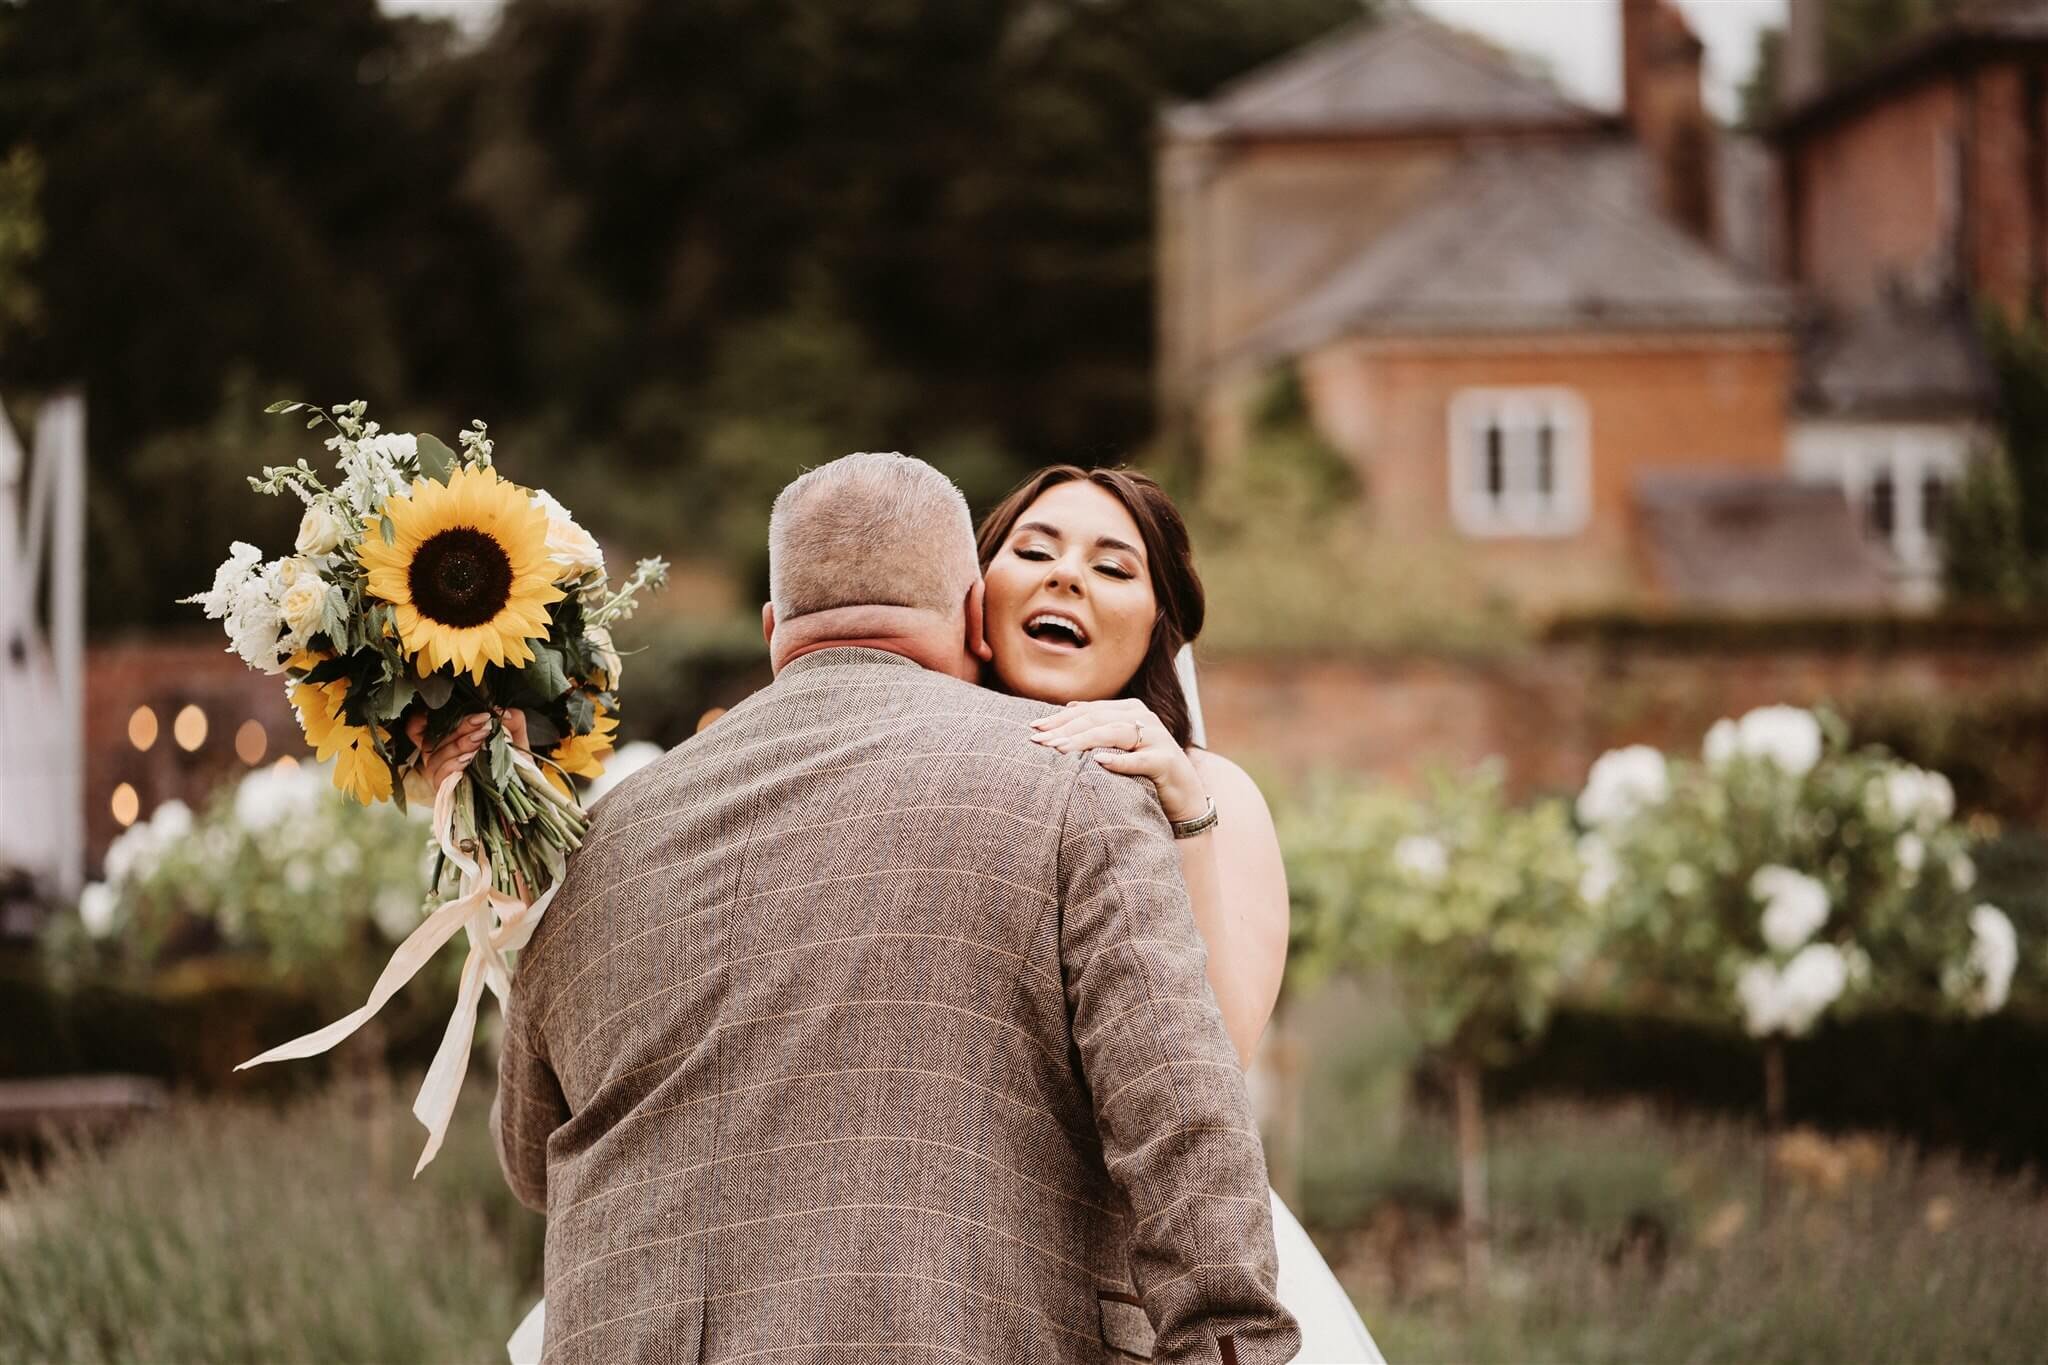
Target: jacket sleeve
(1170,1102)
(529,1106)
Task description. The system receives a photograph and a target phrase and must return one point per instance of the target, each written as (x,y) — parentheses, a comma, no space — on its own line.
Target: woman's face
(1070,606)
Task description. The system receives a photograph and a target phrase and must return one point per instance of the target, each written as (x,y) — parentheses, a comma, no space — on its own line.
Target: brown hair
(1175,586)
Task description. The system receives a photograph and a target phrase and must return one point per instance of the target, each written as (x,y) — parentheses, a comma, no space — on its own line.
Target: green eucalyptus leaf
(390,531)
(283,405)
(437,461)
(435,689)
(501,759)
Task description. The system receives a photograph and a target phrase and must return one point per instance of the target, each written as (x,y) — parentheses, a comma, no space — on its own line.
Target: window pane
(1546,460)
(1932,490)
(1883,505)
(1496,462)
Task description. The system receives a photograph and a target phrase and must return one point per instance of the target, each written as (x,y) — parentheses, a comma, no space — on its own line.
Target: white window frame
(1520,510)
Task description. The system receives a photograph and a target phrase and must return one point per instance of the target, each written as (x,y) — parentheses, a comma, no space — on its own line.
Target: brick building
(1610,358)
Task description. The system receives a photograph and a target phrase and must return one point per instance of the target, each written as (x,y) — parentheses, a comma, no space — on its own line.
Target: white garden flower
(97,906)
(1962,872)
(227,580)
(1986,979)
(171,822)
(1622,783)
(1785,736)
(396,912)
(1599,870)
(1790,1000)
(1422,858)
(321,530)
(1682,880)
(1795,906)
(255,625)
(569,545)
(1917,798)
(1912,853)
(273,796)
(370,470)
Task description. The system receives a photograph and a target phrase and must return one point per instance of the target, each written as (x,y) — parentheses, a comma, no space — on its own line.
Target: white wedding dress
(1331,1331)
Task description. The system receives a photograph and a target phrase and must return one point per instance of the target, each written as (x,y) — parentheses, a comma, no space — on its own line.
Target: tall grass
(1624,1234)
(224,1232)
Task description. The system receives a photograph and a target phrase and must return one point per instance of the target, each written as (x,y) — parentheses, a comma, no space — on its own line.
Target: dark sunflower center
(460,577)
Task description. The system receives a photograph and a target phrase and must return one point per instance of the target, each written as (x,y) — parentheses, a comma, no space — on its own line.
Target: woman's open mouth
(1056,630)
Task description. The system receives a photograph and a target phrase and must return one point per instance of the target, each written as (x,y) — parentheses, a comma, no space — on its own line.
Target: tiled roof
(1984,27)
(1528,240)
(1756,542)
(1399,73)
(1895,361)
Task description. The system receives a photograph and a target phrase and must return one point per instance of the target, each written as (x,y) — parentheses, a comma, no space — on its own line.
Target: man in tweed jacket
(864,1029)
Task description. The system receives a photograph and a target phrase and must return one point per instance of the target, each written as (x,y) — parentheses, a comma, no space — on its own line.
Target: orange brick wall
(166,676)
(1668,402)
(1876,196)
(1551,711)
(1870,199)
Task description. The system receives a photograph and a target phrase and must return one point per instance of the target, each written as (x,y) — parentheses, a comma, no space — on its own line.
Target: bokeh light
(142,728)
(189,729)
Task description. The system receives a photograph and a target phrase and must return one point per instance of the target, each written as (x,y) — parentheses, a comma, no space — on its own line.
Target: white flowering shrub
(1786,875)
(281,868)
(1472,901)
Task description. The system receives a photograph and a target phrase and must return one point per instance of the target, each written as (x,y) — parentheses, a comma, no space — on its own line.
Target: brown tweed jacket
(865,1029)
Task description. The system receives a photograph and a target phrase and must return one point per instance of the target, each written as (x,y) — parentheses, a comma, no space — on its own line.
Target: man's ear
(768,623)
(977,623)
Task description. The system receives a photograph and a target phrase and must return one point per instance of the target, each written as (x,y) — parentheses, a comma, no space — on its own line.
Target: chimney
(1661,61)
(1802,63)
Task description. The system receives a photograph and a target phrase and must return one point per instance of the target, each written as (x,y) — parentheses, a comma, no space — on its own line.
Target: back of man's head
(872,530)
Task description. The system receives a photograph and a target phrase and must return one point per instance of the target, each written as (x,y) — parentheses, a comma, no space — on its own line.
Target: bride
(1092,594)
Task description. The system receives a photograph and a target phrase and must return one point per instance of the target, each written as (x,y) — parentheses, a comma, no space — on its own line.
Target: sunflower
(358,768)
(584,755)
(467,571)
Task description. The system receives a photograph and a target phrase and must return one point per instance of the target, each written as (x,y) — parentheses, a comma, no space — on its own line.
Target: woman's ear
(977,623)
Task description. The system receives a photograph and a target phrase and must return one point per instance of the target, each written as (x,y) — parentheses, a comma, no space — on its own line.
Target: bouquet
(426,588)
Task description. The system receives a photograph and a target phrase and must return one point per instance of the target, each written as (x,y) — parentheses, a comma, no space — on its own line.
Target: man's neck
(920,636)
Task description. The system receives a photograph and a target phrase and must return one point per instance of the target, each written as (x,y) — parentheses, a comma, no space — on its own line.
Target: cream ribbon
(474,911)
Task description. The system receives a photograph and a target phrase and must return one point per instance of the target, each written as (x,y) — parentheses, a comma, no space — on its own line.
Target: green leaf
(283,405)
(388,700)
(390,530)
(541,731)
(582,713)
(501,759)
(437,461)
(545,674)
(435,690)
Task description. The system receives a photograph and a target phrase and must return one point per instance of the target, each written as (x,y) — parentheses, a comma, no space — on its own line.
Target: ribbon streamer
(473,910)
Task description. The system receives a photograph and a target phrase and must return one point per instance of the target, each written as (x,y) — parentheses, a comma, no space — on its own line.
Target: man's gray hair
(870,529)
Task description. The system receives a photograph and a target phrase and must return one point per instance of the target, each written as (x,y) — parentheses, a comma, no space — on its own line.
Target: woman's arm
(1238,886)
(1235,878)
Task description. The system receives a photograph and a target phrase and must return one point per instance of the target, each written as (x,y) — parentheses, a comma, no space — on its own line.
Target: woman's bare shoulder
(1231,785)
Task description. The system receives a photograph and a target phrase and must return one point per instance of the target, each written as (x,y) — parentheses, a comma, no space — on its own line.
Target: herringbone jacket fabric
(865,1029)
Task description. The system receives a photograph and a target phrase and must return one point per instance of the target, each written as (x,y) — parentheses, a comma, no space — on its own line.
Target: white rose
(1622,783)
(1919,798)
(304,604)
(1763,1010)
(1782,735)
(321,530)
(1814,979)
(1994,954)
(1795,906)
(1422,858)
(569,545)
(97,905)
(1600,870)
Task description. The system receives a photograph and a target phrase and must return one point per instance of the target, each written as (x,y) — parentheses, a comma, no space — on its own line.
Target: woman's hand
(1130,740)
(462,744)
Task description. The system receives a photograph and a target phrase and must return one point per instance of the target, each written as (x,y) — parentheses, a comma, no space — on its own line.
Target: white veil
(1184,668)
